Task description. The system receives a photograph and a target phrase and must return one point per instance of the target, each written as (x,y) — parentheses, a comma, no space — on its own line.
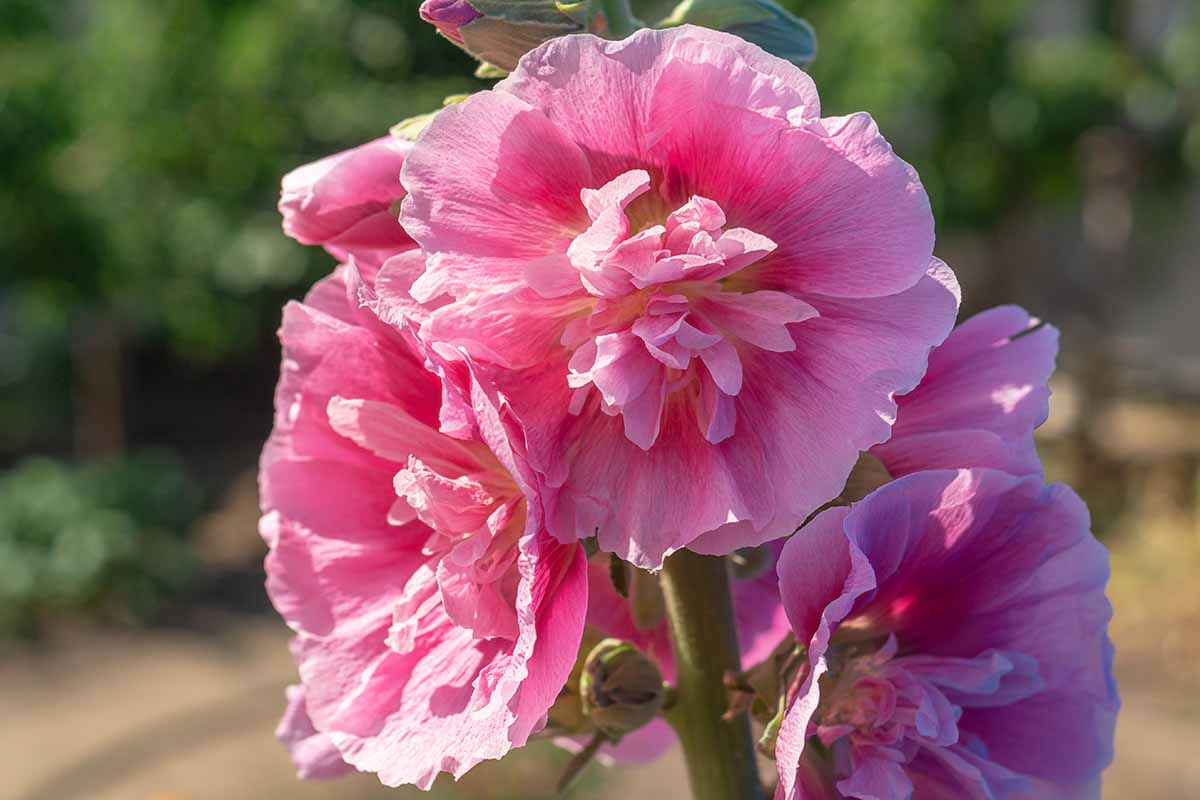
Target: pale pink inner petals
(881,711)
(473,514)
(451,506)
(393,434)
(475,529)
(661,321)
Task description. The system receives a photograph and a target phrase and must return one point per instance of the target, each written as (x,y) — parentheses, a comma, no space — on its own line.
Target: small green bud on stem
(620,688)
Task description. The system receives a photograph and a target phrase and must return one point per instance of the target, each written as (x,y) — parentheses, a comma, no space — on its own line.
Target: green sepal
(488,71)
(502,43)
(410,128)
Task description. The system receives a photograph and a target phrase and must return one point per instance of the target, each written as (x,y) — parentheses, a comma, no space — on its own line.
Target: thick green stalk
(719,753)
(620,18)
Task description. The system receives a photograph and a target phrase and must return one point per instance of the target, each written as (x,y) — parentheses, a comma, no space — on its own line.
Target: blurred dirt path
(1158,748)
(176,715)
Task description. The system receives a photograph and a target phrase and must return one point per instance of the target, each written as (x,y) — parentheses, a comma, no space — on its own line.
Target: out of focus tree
(990,98)
(107,537)
(141,143)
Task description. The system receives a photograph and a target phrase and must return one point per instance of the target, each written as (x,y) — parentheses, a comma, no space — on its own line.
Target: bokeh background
(142,269)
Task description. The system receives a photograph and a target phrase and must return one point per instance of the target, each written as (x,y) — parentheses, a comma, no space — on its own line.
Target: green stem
(719,752)
(620,18)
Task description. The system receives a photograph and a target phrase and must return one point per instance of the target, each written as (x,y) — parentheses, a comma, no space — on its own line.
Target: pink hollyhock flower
(435,619)
(448,16)
(349,203)
(669,262)
(955,625)
(982,397)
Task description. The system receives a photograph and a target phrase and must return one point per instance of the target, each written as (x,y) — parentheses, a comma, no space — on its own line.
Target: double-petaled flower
(700,294)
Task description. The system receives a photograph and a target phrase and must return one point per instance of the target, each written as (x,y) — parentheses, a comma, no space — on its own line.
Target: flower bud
(566,715)
(448,16)
(761,22)
(621,689)
(499,32)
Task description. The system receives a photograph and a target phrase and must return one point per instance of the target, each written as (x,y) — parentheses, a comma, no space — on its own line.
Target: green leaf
(760,22)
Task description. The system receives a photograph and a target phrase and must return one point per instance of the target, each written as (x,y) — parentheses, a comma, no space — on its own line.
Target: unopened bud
(499,32)
(761,22)
(621,689)
(448,16)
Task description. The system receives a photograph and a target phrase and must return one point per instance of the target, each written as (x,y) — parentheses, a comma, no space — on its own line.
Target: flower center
(662,318)
(477,521)
(879,711)
(474,508)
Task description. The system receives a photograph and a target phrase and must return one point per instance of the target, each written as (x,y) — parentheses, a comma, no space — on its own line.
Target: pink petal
(716,412)
(527,188)
(514,330)
(344,202)
(630,68)
(642,415)
(724,366)
(982,397)
(619,192)
(312,752)
(759,318)
(821,576)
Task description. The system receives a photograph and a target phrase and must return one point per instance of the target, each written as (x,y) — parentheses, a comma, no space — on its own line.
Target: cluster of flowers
(642,295)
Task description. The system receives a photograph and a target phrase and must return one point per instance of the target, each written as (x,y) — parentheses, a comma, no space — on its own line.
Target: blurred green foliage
(990,98)
(107,537)
(142,143)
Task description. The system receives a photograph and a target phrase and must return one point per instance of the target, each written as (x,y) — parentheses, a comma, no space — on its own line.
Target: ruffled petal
(312,752)
(981,399)
(347,203)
